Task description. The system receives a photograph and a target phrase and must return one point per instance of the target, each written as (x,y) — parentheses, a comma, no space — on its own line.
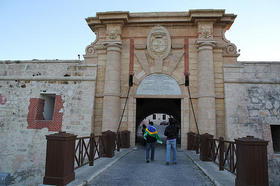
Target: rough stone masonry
(231,99)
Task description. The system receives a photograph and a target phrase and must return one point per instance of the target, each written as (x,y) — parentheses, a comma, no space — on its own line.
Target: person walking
(171,132)
(151,136)
(143,132)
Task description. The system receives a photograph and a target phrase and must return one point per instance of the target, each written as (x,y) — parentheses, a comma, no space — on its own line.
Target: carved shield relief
(158,43)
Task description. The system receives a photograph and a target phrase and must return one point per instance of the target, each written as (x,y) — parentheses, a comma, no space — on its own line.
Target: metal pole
(118,135)
(193,110)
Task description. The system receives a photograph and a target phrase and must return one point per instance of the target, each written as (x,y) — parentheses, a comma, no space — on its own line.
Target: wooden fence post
(60,154)
(231,165)
(205,147)
(108,143)
(251,168)
(221,153)
(197,143)
(91,149)
(191,141)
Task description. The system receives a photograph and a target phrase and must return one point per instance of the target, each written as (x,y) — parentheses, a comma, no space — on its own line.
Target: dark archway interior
(148,106)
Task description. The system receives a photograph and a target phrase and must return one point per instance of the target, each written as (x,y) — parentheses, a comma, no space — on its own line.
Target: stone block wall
(22,134)
(252,101)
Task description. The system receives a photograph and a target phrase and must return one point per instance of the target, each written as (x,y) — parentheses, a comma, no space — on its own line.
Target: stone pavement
(128,167)
(219,178)
(132,169)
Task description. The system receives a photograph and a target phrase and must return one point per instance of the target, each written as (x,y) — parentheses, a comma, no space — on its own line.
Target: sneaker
(174,163)
(167,163)
(147,161)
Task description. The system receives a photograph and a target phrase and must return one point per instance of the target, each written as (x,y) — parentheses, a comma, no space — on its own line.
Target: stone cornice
(191,17)
(21,78)
(41,61)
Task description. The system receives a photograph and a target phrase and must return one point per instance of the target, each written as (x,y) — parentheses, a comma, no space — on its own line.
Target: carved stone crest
(158,43)
(114,32)
(205,32)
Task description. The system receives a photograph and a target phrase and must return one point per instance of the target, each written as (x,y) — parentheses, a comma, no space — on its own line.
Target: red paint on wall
(131,59)
(186,56)
(35,118)
(3,100)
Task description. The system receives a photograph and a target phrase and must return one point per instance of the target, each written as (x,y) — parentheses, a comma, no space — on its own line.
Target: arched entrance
(148,106)
(158,93)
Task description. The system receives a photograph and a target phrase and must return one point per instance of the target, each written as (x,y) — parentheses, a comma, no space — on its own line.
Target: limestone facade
(23,148)
(172,43)
(231,99)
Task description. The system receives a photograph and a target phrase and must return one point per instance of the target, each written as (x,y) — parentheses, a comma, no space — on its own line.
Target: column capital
(113,45)
(205,44)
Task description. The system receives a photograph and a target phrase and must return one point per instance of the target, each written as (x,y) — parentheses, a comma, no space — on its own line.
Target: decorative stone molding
(113,45)
(113,34)
(229,49)
(205,31)
(190,17)
(114,31)
(158,43)
(90,50)
(203,44)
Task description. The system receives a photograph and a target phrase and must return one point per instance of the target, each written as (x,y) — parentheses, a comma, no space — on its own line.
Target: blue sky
(56,29)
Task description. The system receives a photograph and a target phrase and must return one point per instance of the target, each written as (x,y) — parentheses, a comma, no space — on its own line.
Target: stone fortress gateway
(159,50)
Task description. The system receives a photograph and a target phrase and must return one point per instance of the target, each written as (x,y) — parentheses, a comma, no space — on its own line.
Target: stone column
(206,89)
(111,101)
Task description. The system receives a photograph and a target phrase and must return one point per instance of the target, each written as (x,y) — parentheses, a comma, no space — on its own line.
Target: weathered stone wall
(252,101)
(23,150)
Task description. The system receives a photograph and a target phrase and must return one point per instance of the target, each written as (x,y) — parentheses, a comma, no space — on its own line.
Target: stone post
(206,89)
(111,102)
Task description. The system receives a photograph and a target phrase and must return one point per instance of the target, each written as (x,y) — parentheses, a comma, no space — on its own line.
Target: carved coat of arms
(158,43)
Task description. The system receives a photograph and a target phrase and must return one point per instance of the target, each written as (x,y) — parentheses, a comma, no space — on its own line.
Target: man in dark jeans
(151,136)
(171,132)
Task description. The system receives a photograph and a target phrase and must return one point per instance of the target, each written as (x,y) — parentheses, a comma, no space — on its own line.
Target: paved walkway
(132,169)
(128,167)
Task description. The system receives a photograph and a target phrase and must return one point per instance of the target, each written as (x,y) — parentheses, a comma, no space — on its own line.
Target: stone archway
(149,106)
(158,93)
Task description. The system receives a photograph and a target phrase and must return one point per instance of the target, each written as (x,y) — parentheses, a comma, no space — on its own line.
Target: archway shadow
(148,106)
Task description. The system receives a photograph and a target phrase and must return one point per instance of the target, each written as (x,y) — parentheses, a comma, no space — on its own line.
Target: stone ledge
(250,81)
(47,78)
(39,61)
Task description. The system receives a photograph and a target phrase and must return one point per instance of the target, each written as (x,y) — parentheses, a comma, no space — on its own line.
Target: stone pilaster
(206,89)
(111,102)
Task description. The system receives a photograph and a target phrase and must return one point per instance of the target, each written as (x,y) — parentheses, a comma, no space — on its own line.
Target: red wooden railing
(220,151)
(223,153)
(87,149)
